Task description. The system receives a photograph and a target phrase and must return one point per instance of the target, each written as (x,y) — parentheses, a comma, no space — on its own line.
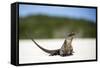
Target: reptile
(65,50)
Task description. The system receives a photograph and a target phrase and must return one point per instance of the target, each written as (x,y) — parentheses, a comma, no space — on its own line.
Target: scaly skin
(65,50)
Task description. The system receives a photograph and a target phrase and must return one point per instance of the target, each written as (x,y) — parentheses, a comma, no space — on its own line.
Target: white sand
(84,49)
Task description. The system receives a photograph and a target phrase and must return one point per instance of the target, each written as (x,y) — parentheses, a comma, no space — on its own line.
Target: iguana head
(71,34)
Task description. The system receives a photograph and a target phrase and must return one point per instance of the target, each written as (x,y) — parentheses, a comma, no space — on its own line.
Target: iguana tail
(45,50)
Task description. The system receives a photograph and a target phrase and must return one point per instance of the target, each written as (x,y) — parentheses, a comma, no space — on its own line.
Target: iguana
(65,50)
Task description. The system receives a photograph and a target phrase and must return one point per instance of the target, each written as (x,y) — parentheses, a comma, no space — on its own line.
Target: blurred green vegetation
(44,26)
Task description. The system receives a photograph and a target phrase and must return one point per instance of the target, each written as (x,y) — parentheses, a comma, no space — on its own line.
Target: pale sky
(72,12)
